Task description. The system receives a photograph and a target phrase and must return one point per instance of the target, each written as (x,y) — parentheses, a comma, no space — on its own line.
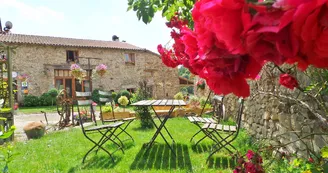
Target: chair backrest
(83,99)
(105,97)
(240,113)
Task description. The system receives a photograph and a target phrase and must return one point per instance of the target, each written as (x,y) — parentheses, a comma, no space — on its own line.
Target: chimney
(115,38)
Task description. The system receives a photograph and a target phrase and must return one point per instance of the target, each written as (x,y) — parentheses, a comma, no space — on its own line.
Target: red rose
(214,26)
(270,37)
(310,26)
(167,58)
(288,81)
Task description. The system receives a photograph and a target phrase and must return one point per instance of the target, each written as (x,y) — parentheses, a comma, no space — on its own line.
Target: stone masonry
(40,61)
(278,119)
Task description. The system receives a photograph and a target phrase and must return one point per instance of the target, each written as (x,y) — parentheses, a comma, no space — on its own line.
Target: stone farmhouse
(47,61)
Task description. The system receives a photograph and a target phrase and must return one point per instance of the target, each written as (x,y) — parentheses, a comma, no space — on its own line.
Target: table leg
(158,131)
(169,113)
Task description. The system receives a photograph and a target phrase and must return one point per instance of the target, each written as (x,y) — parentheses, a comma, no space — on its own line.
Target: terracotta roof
(60,41)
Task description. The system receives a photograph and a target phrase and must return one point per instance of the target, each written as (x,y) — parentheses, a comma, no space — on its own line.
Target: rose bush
(233,39)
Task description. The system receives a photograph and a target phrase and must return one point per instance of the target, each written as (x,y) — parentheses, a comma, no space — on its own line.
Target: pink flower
(94,104)
(288,81)
(75,67)
(250,154)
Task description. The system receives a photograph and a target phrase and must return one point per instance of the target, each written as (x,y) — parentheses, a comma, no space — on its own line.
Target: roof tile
(60,41)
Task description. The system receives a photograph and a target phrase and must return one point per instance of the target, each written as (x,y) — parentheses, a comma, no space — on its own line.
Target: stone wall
(279,119)
(40,61)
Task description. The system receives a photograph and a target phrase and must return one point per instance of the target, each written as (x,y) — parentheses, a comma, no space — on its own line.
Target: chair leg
(96,145)
(123,130)
(195,135)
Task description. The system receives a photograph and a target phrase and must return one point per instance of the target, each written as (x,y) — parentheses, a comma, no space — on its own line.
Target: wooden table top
(159,103)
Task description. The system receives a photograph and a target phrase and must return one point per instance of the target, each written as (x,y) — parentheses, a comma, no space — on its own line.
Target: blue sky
(88,19)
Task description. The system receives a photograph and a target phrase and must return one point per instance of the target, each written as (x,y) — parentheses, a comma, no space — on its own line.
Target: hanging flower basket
(201,84)
(76,71)
(23,77)
(101,69)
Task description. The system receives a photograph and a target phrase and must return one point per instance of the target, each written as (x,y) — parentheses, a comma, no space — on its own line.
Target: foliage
(253,164)
(122,93)
(123,100)
(45,100)
(184,72)
(187,90)
(107,108)
(194,101)
(201,84)
(114,94)
(178,96)
(146,9)
(95,95)
(53,94)
(31,100)
(143,112)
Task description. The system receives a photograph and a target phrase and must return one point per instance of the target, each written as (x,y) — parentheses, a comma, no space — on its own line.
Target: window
(130,58)
(71,56)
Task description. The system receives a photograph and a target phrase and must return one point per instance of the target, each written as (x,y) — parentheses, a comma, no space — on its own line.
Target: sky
(86,19)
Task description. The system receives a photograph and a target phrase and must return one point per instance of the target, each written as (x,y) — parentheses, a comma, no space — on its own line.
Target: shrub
(122,93)
(31,100)
(45,100)
(114,94)
(53,94)
(123,100)
(143,112)
(95,95)
(107,108)
(178,96)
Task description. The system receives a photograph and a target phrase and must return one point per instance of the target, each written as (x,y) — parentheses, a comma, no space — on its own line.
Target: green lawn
(63,152)
(51,109)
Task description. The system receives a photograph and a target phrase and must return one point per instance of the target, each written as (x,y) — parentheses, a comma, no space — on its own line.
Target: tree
(146,9)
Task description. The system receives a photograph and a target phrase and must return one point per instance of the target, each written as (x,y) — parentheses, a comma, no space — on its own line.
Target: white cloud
(35,13)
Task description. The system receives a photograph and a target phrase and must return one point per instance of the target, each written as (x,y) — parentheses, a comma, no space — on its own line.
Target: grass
(52,109)
(63,152)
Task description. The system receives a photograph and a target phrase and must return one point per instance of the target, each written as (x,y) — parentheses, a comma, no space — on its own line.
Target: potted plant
(101,69)
(118,113)
(107,111)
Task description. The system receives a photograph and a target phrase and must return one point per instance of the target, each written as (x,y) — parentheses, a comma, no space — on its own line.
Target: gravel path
(21,120)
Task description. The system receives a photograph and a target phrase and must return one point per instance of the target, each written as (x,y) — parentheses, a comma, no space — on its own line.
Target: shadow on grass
(96,162)
(142,129)
(222,162)
(160,157)
(201,148)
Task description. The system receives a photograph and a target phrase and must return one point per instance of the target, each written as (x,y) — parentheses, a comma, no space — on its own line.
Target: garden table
(151,103)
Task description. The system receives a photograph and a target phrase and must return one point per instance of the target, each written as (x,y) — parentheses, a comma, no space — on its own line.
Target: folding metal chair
(199,120)
(104,97)
(107,132)
(214,132)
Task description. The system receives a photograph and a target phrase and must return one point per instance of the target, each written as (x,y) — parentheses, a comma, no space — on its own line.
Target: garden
(264,60)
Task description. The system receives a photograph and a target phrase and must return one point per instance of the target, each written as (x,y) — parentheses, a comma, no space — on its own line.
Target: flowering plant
(76,71)
(101,69)
(23,77)
(200,84)
(231,40)
(123,100)
(253,164)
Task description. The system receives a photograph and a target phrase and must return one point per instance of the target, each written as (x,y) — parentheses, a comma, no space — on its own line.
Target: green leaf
(325,168)
(313,170)
(324,152)
(129,8)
